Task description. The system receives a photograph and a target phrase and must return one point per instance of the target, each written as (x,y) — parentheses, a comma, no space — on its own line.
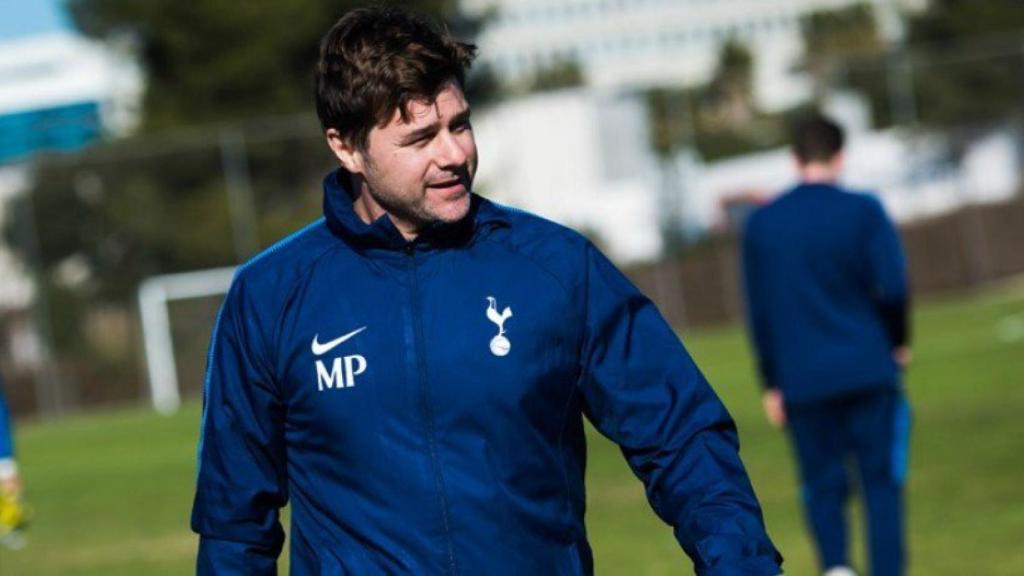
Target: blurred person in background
(13,513)
(827,304)
(412,370)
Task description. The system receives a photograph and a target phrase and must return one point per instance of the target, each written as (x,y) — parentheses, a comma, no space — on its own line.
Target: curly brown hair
(374,61)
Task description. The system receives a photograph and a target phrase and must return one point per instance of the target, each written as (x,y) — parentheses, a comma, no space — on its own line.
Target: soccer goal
(156,296)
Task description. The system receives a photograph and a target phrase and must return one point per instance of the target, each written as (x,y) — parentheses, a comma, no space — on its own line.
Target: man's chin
(452,210)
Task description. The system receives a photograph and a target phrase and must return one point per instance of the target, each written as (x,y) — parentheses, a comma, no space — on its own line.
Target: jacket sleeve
(757,308)
(242,476)
(887,275)
(642,390)
(7,465)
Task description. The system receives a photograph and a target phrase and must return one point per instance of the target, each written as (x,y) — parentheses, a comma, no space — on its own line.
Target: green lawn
(112,491)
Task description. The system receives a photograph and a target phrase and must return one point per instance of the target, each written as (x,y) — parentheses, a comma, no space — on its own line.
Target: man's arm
(757,308)
(9,480)
(760,335)
(887,277)
(641,389)
(242,477)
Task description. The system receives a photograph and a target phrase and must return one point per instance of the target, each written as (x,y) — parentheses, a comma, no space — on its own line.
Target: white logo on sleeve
(343,370)
(500,345)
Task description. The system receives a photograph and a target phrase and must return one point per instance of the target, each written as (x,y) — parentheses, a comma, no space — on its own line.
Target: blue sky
(31,17)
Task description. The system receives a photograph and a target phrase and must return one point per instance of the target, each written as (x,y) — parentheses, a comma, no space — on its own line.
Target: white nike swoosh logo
(320,349)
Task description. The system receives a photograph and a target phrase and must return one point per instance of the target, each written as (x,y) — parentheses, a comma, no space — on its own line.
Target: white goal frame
(155,295)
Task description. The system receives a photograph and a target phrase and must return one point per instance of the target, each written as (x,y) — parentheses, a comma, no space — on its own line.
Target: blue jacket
(6,440)
(420,405)
(826,293)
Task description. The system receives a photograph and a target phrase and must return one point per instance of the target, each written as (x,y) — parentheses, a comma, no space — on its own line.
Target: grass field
(112,491)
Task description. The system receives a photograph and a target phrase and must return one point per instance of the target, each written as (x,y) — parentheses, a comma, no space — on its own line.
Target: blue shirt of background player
(826,292)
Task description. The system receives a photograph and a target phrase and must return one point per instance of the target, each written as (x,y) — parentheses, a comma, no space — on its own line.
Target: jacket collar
(382,234)
(815,186)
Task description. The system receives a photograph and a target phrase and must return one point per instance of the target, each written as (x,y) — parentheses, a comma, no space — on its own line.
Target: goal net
(178,312)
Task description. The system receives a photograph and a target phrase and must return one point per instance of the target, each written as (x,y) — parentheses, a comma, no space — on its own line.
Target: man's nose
(451,153)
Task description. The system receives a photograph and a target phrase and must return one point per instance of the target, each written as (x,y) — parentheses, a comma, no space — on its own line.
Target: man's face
(421,171)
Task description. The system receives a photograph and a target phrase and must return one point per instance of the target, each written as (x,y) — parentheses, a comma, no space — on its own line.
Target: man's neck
(818,174)
(369,210)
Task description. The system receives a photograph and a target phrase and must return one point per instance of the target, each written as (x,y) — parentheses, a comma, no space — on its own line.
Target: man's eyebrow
(433,127)
(428,130)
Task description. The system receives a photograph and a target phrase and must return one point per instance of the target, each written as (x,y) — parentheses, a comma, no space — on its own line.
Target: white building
(58,91)
(911,175)
(642,43)
(577,157)
(581,157)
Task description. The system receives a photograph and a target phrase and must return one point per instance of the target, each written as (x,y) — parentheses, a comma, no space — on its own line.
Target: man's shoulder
(277,266)
(551,245)
(529,231)
(814,198)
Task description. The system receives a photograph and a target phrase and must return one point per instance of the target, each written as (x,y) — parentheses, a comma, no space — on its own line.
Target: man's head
(818,148)
(389,96)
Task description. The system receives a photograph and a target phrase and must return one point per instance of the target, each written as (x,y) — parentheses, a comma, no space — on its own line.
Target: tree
(562,73)
(222,60)
(968,61)
(728,100)
(843,48)
(157,202)
(719,118)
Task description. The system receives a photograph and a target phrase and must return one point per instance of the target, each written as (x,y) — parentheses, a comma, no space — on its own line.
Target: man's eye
(462,126)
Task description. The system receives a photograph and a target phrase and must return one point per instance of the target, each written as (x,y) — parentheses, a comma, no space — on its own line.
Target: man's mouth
(454,185)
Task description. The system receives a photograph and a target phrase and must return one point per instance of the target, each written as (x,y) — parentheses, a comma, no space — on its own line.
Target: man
(827,304)
(412,370)
(13,513)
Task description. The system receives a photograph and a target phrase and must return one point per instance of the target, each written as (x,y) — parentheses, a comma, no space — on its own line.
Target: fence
(962,250)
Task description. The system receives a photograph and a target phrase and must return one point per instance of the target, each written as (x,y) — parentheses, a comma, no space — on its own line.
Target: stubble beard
(416,212)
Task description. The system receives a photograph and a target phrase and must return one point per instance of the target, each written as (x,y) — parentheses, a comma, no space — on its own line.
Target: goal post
(155,296)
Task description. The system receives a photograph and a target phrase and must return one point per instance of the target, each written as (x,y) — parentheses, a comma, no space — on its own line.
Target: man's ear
(350,157)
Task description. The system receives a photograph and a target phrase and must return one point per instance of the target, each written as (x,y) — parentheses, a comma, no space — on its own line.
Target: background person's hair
(374,61)
(817,139)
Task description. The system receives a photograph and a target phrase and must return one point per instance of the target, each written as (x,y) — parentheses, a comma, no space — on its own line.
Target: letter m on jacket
(342,374)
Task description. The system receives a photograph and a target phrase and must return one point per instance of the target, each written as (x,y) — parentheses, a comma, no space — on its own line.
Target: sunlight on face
(421,171)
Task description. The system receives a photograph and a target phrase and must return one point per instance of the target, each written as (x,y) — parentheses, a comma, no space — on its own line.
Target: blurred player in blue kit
(13,513)
(827,305)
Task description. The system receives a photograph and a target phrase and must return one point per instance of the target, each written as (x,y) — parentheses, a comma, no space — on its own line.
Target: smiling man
(411,372)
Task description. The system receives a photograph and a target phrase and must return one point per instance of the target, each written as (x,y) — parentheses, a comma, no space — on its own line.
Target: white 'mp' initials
(342,374)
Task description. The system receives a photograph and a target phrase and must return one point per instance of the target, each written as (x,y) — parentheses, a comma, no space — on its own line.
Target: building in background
(913,176)
(580,157)
(644,43)
(60,91)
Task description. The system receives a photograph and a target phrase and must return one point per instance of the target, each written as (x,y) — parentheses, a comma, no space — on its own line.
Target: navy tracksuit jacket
(6,437)
(827,303)
(826,293)
(421,405)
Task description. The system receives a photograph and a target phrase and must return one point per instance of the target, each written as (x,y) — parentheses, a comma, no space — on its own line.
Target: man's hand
(10,483)
(902,356)
(774,408)
(11,486)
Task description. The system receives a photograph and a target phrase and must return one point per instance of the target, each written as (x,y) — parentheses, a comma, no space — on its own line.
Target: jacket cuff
(8,469)
(751,567)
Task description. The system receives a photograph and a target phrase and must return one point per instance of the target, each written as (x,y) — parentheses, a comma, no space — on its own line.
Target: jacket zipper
(425,399)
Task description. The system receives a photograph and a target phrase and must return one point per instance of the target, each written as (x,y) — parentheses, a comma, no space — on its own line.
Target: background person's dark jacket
(826,293)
